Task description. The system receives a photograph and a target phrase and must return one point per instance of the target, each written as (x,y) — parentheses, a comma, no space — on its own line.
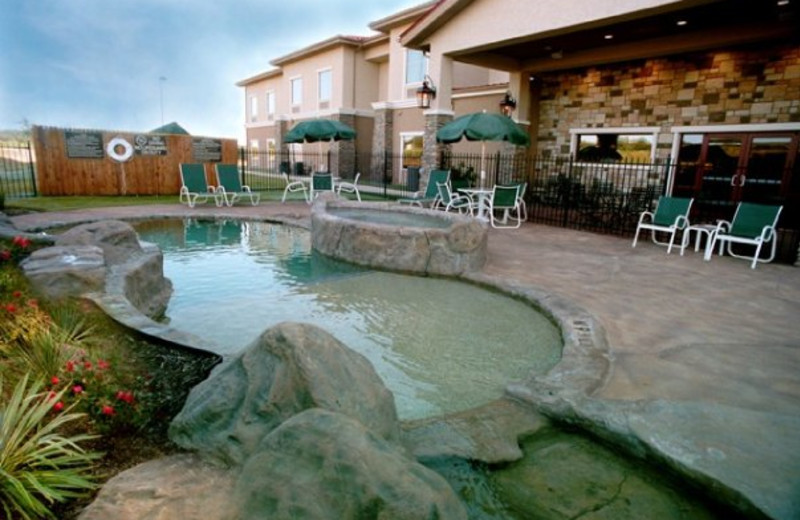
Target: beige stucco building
(710,85)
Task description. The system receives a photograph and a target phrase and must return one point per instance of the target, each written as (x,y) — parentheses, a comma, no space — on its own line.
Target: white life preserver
(127,151)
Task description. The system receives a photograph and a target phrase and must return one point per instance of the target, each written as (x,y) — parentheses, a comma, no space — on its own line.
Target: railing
(17,170)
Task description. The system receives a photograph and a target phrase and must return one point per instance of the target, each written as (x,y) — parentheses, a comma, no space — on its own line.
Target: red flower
(17,294)
(58,406)
(125,396)
(21,242)
(87,365)
(77,389)
(107,410)
(70,366)
(102,364)
(54,380)
(5,254)
(33,303)
(10,307)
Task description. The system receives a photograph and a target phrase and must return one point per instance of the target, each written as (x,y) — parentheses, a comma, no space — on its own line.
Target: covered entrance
(722,169)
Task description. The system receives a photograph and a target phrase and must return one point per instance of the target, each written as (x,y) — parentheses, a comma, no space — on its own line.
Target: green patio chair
(230,186)
(671,215)
(452,200)
(194,187)
(321,182)
(294,187)
(431,197)
(506,199)
(752,224)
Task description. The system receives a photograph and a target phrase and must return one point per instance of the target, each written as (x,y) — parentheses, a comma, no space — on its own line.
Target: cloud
(97,64)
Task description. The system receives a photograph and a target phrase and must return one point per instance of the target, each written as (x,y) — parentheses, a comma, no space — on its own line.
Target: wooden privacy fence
(80,162)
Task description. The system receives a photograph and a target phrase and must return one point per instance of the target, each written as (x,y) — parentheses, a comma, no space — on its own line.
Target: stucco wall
(744,86)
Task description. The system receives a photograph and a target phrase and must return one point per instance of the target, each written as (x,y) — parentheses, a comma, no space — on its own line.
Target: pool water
(439,345)
(391,218)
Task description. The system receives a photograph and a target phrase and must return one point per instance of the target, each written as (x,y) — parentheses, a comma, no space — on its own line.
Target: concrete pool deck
(705,355)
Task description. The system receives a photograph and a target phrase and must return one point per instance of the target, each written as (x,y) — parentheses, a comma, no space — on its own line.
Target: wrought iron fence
(591,196)
(17,170)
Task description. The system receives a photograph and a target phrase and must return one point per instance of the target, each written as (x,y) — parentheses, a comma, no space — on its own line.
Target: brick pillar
(343,153)
(382,142)
(431,150)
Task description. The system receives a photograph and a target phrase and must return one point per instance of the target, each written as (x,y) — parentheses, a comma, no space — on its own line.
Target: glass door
(768,169)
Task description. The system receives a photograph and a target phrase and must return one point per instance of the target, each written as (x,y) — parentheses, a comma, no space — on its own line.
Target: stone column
(382,142)
(343,153)
(281,148)
(432,150)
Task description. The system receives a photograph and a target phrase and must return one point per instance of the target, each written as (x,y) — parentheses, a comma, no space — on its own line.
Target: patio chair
(508,200)
(349,187)
(523,187)
(321,182)
(671,215)
(752,224)
(431,196)
(230,185)
(194,187)
(294,187)
(452,200)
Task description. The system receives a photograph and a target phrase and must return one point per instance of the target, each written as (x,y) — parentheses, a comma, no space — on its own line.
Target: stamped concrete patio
(705,355)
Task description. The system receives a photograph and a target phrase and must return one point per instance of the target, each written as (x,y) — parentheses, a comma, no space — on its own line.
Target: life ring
(127,149)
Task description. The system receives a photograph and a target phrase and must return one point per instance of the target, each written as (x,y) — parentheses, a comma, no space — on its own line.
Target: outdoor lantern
(508,104)
(426,93)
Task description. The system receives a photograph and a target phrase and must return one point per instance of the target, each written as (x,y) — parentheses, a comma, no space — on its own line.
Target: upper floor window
(297,91)
(325,84)
(416,66)
(253,108)
(271,105)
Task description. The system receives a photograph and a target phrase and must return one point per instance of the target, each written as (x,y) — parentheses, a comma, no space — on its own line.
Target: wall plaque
(150,145)
(206,150)
(84,145)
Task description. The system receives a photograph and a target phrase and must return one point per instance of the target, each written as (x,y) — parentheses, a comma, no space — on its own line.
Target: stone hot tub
(400,238)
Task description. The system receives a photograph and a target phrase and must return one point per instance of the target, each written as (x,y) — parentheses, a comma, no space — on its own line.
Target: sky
(98,64)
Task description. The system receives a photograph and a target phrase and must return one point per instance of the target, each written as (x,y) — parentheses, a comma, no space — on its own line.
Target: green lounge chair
(194,187)
(431,196)
(507,199)
(671,215)
(752,224)
(230,185)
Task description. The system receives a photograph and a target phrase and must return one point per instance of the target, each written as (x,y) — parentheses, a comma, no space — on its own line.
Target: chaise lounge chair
(752,224)
(230,186)
(671,215)
(194,187)
(431,197)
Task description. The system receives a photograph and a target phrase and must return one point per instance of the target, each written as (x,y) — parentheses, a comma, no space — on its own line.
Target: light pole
(161,81)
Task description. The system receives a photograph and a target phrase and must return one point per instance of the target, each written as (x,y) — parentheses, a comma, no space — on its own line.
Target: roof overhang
(259,77)
(324,45)
(405,16)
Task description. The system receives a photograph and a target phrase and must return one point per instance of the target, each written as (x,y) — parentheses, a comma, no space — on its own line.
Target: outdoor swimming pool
(440,345)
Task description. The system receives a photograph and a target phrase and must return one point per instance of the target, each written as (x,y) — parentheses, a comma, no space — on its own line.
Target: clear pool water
(441,346)
(391,218)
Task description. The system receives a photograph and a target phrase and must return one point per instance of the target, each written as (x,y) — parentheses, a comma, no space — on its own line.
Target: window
(614,144)
(271,105)
(416,66)
(253,109)
(255,160)
(297,91)
(325,85)
(411,143)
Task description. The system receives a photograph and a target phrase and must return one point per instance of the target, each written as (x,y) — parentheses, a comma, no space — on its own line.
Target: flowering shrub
(19,249)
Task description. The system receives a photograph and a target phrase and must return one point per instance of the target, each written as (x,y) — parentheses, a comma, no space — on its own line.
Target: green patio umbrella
(317,130)
(483,126)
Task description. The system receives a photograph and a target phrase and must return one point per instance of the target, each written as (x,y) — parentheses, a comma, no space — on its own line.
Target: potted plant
(462,176)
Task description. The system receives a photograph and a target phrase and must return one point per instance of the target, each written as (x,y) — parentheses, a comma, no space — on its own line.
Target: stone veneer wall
(431,150)
(343,154)
(742,86)
(382,141)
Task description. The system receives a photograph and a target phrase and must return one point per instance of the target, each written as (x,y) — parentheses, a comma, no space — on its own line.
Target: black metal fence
(17,170)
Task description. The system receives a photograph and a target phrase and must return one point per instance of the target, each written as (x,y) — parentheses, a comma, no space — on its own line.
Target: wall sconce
(426,93)
(508,104)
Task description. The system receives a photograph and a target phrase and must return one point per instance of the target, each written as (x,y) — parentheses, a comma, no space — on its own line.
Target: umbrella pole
(483,154)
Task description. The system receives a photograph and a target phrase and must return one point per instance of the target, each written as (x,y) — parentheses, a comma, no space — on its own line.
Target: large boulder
(291,367)
(102,257)
(117,239)
(322,465)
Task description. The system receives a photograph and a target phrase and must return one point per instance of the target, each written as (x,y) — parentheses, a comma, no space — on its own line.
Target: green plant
(464,173)
(40,465)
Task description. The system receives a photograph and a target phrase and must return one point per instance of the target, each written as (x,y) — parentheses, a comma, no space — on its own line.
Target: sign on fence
(83,144)
(150,145)
(206,150)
